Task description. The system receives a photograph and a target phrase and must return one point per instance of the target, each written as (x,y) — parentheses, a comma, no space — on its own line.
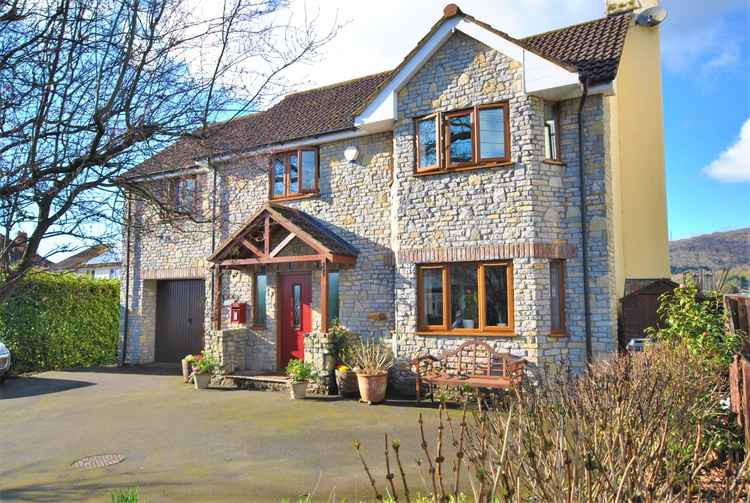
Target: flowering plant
(203,364)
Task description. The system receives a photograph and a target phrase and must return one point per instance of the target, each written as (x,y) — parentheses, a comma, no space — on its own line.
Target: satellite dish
(651,16)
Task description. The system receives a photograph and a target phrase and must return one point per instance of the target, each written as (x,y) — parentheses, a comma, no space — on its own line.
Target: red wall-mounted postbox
(237,313)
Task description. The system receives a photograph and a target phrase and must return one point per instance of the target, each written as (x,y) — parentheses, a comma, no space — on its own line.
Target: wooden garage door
(179,319)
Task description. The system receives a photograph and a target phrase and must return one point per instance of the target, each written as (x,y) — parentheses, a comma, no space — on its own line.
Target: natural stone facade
(527,210)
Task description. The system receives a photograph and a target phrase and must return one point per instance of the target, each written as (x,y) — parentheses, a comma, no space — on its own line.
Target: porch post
(324,296)
(217,299)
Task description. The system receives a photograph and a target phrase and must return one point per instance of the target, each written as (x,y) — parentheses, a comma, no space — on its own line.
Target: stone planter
(297,390)
(372,387)
(201,380)
(347,384)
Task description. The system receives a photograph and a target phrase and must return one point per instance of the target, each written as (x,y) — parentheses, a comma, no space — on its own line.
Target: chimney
(612,7)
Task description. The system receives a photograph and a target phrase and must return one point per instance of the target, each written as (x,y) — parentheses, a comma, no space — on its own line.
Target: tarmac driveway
(185,445)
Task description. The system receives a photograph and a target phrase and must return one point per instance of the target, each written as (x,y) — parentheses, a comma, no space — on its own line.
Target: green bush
(55,321)
(698,321)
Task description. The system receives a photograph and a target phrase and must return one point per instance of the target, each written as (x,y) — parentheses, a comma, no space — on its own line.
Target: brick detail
(487,252)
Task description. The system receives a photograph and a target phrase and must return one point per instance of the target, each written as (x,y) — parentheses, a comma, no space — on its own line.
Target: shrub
(55,321)
(638,428)
(299,371)
(125,495)
(697,320)
(343,340)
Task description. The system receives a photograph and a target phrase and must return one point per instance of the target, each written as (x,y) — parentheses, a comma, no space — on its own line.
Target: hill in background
(719,250)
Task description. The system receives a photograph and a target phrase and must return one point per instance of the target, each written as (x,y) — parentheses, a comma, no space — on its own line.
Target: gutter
(584,229)
(127,286)
(212,167)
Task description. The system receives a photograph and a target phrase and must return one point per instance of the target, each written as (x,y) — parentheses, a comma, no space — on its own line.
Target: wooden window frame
(300,193)
(562,330)
(443,139)
(438,142)
(483,329)
(506,131)
(255,323)
(173,194)
(447,134)
(557,156)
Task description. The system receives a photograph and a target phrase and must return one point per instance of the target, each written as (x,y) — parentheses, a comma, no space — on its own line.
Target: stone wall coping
(177,273)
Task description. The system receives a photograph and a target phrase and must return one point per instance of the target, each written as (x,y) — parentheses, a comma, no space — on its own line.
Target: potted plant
(343,342)
(299,373)
(203,367)
(371,361)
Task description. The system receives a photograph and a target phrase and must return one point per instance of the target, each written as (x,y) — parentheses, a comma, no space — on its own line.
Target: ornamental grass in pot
(371,360)
(299,374)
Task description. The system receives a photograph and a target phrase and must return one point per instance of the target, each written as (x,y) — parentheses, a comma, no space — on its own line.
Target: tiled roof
(81,258)
(594,47)
(316,229)
(316,112)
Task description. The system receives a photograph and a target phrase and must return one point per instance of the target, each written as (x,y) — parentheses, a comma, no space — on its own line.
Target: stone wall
(319,352)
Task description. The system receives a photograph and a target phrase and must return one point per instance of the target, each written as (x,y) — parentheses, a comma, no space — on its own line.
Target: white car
(4,361)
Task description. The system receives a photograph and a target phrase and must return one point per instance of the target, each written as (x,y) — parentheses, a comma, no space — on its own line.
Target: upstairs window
(294,173)
(551,133)
(183,194)
(471,138)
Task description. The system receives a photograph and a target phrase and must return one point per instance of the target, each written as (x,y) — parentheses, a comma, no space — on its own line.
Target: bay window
(293,174)
(472,138)
(471,298)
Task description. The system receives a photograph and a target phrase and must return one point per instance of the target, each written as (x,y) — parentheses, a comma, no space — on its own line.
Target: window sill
(258,327)
(469,333)
(294,197)
(553,162)
(558,333)
(472,167)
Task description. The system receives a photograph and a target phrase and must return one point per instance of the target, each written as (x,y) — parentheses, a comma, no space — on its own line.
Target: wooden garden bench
(472,364)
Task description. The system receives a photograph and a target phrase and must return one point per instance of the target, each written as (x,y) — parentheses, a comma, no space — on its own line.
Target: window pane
(297,308)
(555,294)
(427,134)
(259,313)
(464,291)
(491,133)
(293,174)
(309,169)
(278,176)
(461,149)
(496,296)
(333,296)
(432,296)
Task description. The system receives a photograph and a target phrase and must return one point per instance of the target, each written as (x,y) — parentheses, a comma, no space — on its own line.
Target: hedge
(55,321)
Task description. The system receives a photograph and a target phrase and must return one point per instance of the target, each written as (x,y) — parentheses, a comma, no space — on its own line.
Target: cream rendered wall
(639,182)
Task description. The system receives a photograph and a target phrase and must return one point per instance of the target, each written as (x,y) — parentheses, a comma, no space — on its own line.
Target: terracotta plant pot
(297,390)
(372,387)
(347,384)
(201,380)
(185,370)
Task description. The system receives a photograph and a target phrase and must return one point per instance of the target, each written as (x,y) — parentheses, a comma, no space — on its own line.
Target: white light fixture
(351,153)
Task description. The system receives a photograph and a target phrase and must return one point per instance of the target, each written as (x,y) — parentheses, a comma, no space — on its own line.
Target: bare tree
(91,88)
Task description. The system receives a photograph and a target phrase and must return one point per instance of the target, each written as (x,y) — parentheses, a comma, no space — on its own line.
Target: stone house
(489,188)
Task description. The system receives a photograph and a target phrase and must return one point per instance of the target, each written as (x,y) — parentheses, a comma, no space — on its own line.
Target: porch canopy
(276,236)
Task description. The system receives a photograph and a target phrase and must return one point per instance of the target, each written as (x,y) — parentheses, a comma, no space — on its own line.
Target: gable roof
(94,255)
(302,225)
(324,110)
(593,49)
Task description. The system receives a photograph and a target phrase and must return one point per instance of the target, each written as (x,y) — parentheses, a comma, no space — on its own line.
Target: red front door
(296,320)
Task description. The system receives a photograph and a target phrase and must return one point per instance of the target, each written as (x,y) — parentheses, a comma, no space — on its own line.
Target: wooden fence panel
(746,401)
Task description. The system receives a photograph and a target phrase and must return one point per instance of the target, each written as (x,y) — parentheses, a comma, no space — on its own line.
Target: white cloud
(733,165)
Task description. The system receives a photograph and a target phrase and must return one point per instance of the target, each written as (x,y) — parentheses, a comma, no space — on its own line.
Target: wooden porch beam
(217,299)
(247,244)
(341,259)
(324,296)
(267,235)
(282,245)
(272,260)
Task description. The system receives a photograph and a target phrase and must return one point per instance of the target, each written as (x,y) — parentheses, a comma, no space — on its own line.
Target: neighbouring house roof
(18,248)
(289,221)
(95,256)
(648,286)
(592,48)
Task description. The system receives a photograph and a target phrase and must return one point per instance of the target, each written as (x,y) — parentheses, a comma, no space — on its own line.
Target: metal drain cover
(99,461)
